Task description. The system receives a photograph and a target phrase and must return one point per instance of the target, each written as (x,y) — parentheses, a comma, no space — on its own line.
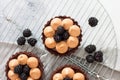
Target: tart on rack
(24,66)
(68,72)
(61,35)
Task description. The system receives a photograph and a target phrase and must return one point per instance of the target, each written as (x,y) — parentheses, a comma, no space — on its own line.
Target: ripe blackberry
(98,56)
(18,69)
(26,69)
(90,58)
(32,41)
(21,41)
(60,30)
(66,35)
(67,78)
(27,33)
(23,76)
(90,48)
(93,21)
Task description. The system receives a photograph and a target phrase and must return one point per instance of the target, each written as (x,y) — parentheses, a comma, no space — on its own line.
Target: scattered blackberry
(93,21)
(60,30)
(90,48)
(67,78)
(66,35)
(90,58)
(57,38)
(23,76)
(27,33)
(18,69)
(98,56)
(32,41)
(21,40)
(26,69)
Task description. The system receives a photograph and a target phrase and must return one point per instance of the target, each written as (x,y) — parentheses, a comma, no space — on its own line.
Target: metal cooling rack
(20,14)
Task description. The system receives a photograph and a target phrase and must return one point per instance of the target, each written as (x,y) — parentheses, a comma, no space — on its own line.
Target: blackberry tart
(24,66)
(68,72)
(61,35)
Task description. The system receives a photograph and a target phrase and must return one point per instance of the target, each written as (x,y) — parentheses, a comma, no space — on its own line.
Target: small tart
(34,62)
(64,28)
(70,71)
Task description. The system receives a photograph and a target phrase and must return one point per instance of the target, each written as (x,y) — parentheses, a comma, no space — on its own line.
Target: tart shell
(53,51)
(29,54)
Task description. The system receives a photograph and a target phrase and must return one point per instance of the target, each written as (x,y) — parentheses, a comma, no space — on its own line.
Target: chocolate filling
(29,54)
(70,50)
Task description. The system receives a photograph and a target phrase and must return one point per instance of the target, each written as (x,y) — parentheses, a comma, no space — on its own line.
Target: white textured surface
(35,13)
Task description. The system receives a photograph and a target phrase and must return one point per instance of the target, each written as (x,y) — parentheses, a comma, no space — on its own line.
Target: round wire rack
(16,15)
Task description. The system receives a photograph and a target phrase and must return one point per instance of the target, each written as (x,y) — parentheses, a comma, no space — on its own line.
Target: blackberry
(18,69)
(60,30)
(26,69)
(27,33)
(98,56)
(90,48)
(23,76)
(67,78)
(21,41)
(66,35)
(32,41)
(90,58)
(57,38)
(93,21)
